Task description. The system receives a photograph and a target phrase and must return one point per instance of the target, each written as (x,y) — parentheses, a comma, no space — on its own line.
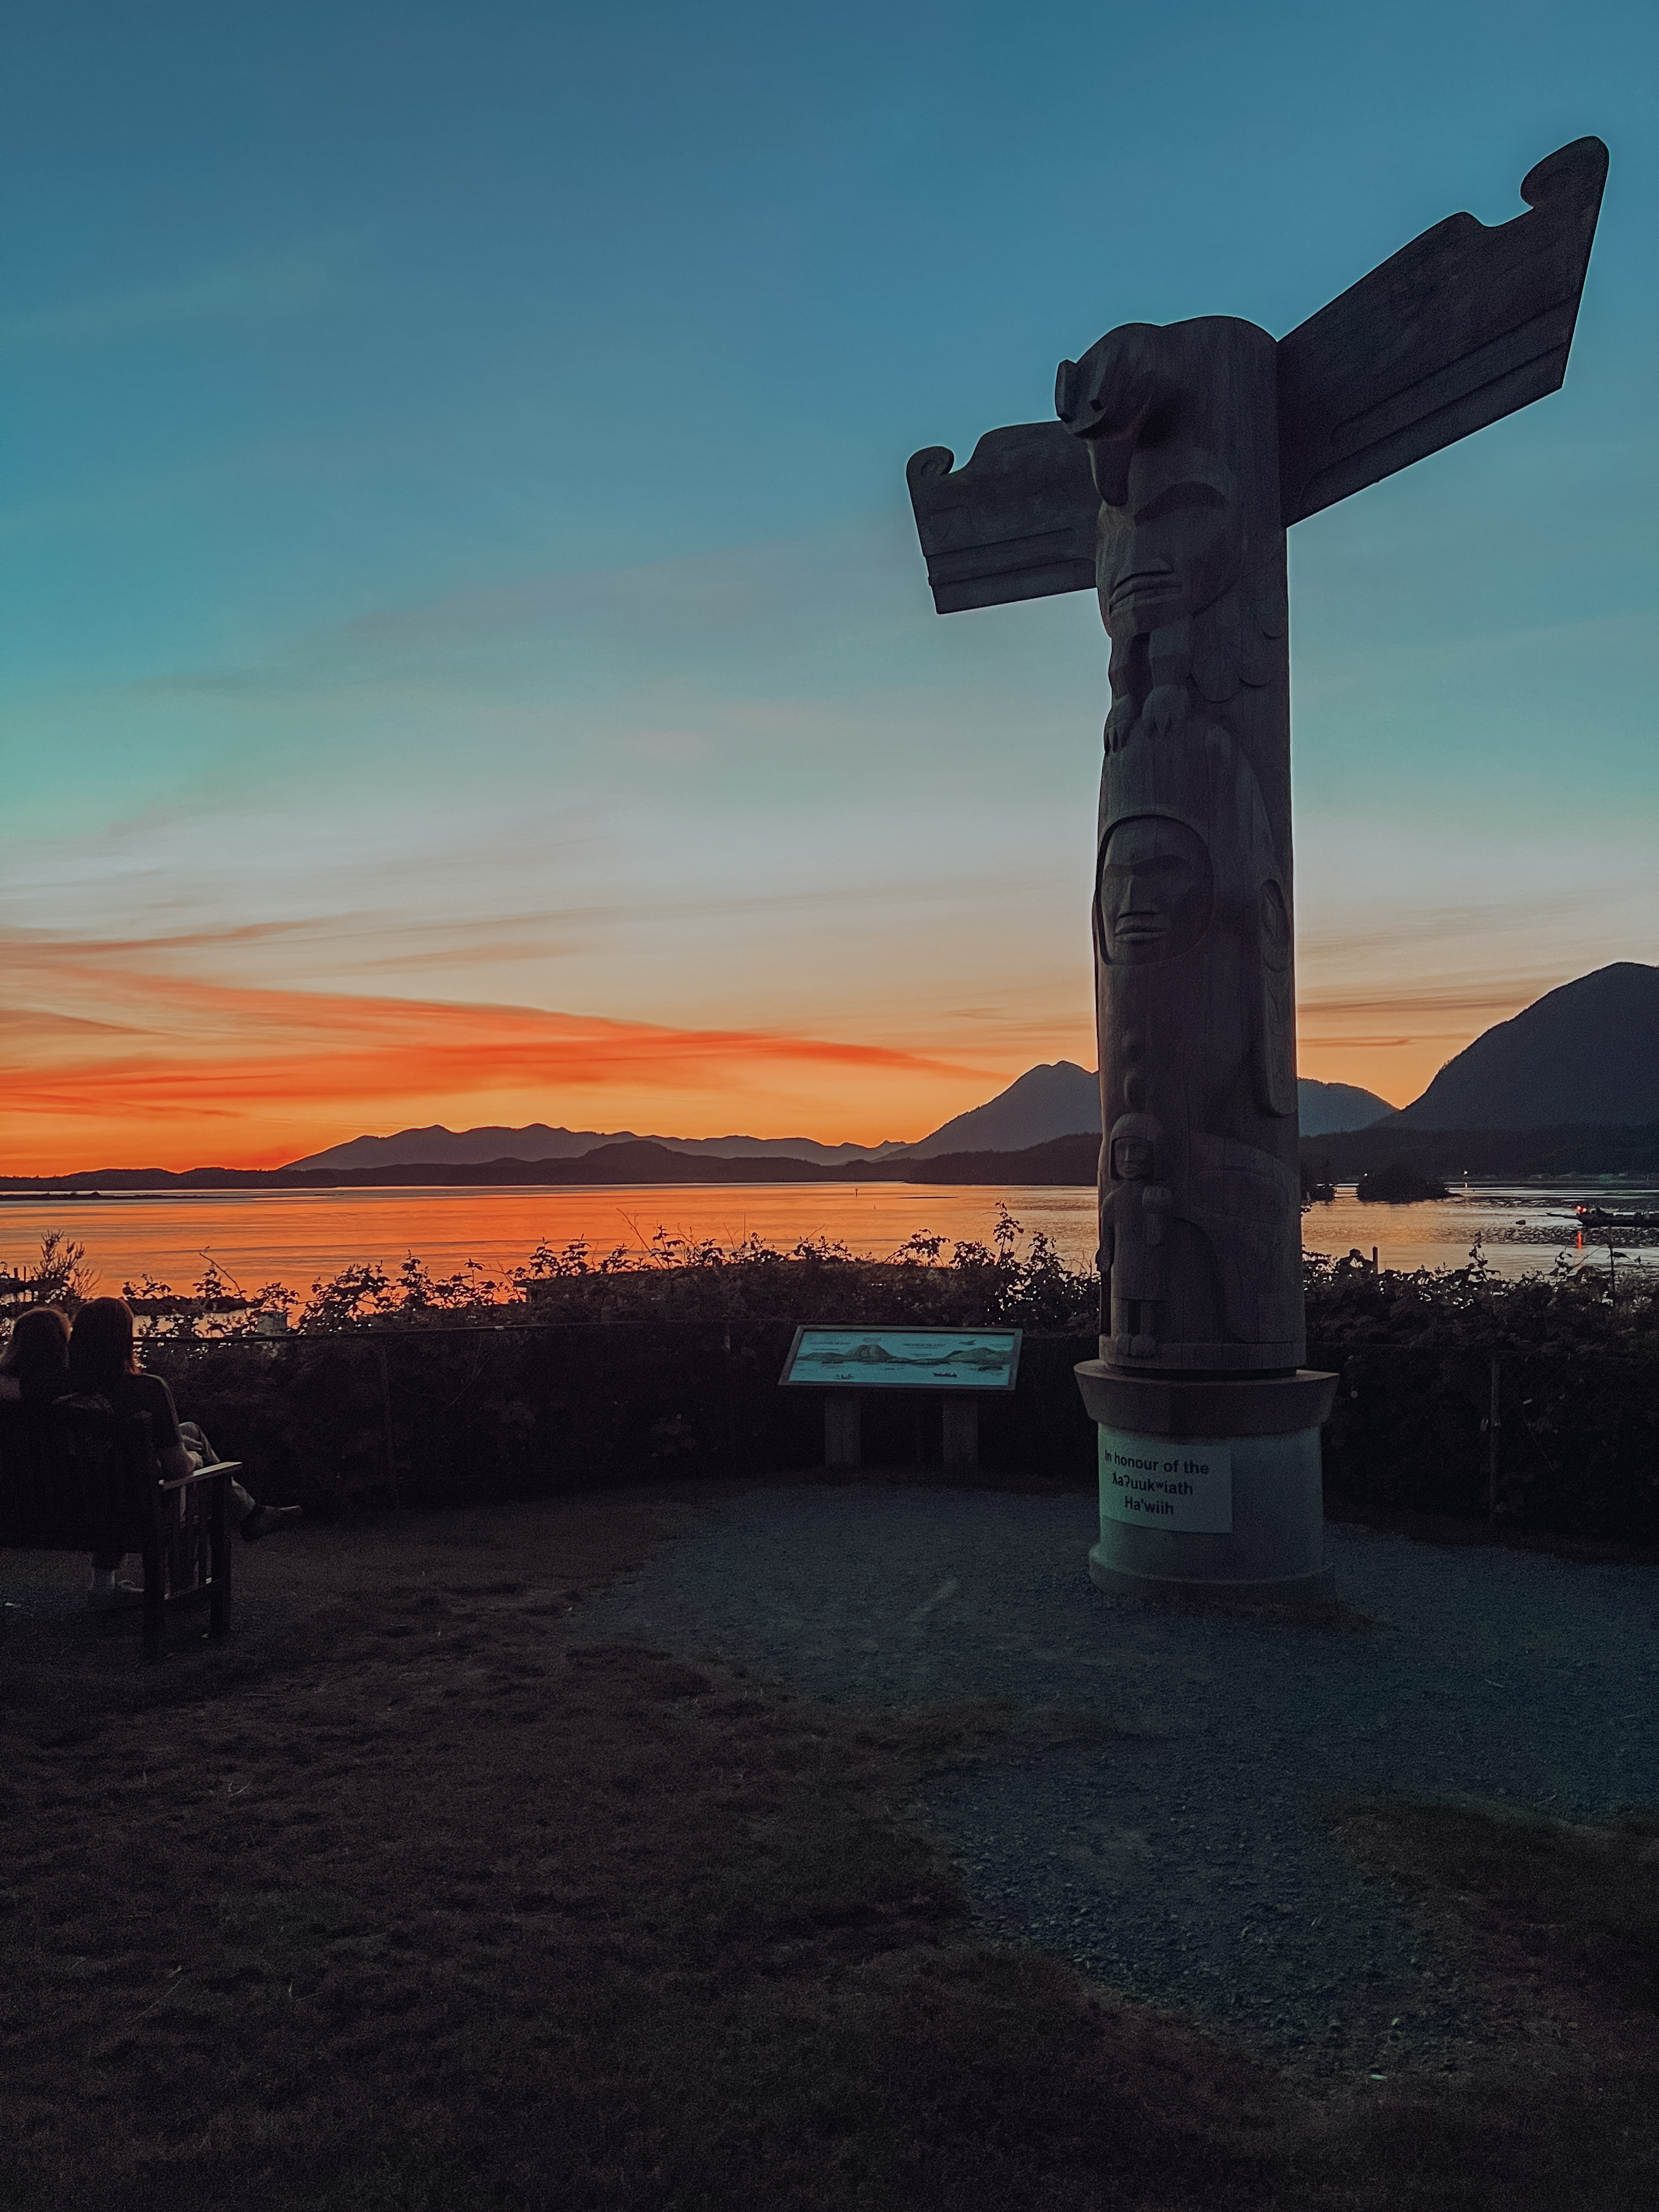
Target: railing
(1540,1437)
(414,1412)
(1518,1435)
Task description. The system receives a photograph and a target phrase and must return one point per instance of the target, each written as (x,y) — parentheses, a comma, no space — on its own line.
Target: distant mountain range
(477,1147)
(1579,1070)
(1058,1099)
(1063,1160)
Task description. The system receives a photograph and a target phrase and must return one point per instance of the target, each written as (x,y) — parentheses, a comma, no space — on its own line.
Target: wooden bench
(73,1478)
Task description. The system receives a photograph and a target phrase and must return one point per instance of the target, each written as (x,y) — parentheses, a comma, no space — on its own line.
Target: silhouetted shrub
(605,1370)
(614,1367)
(1579,1394)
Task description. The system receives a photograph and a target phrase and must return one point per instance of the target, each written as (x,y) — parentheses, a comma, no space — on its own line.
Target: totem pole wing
(1460,327)
(1016,522)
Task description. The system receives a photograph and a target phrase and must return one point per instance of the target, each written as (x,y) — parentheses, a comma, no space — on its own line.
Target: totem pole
(1180,457)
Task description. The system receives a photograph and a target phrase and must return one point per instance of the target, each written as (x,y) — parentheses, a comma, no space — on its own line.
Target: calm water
(296,1236)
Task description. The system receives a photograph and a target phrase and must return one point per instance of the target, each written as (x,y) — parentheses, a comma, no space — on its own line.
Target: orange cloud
(176,1070)
(120,1052)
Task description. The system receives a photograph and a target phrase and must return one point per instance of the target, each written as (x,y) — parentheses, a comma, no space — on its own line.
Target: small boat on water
(1594,1216)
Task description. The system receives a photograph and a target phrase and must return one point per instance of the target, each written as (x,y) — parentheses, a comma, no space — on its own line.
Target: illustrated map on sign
(906,1359)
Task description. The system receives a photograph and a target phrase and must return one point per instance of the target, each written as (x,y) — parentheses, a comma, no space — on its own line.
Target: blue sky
(456,553)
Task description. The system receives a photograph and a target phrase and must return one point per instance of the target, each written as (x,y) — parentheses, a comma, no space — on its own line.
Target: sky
(464,656)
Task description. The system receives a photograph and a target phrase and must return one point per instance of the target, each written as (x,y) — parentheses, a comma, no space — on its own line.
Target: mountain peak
(1585,1052)
(1058,1099)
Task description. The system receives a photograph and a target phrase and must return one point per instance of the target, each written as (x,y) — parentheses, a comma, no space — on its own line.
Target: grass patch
(1563,1916)
(1551,2105)
(399,1904)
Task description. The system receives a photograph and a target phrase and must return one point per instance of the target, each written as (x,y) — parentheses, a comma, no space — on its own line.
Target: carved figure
(1192,975)
(1135,1228)
(1181,456)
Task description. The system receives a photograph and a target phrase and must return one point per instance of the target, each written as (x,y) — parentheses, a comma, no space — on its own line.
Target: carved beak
(1096,404)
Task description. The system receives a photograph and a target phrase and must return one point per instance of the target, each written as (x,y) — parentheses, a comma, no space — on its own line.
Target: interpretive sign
(1156,1482)
(904,1359)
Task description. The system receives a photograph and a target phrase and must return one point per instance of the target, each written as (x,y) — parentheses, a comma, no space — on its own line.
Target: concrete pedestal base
(1250,1524)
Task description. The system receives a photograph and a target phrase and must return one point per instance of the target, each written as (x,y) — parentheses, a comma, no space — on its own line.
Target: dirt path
(1156,1816)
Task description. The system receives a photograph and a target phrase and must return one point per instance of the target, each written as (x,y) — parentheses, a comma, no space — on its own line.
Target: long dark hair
(100,1345)
(37,1352)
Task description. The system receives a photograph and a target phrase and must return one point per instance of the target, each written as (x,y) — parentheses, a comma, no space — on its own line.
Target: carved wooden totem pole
(1180,457)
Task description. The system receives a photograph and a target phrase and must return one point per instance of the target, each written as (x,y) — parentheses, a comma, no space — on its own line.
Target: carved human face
(1132,1159)
(1174,545)
(1155,891)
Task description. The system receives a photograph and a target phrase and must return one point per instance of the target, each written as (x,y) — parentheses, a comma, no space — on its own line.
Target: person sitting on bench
(103,1361)
(34,1365)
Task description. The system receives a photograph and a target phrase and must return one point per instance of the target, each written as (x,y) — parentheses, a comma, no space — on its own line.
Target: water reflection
(296,1236)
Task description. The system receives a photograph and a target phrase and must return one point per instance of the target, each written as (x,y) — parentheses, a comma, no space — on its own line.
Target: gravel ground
(1154,1814)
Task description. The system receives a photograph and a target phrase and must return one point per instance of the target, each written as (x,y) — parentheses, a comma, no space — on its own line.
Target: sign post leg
(960,1423)
(842,1438)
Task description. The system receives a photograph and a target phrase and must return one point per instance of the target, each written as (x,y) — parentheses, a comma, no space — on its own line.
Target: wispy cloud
(453,893)
(779,631)
(259,288)
(1490,999)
